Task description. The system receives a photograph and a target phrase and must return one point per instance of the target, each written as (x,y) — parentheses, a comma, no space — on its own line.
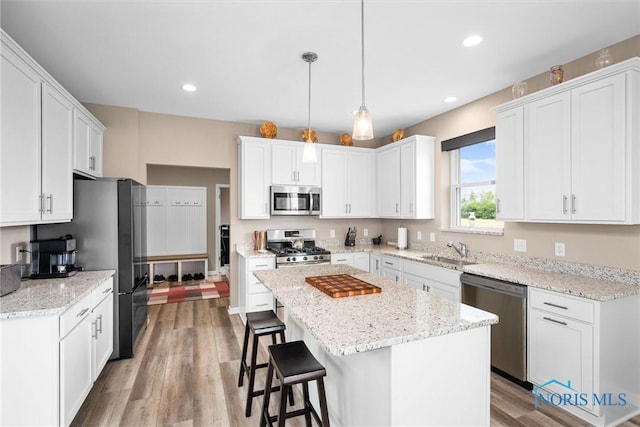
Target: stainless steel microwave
(295,200)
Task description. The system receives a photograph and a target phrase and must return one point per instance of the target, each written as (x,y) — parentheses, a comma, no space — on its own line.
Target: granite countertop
(354,324)
(586,287)
(48,297)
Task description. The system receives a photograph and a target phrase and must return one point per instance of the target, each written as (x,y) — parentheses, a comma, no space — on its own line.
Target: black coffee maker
(53,258)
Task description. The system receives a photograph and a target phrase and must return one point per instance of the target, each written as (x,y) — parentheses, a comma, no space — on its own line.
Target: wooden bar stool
(260,323)
(293,363)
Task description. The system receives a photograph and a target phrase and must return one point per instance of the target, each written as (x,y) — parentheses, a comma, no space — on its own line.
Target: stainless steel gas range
(296,247)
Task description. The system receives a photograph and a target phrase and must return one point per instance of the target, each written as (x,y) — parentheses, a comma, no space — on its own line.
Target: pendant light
(309,152)
(362,127)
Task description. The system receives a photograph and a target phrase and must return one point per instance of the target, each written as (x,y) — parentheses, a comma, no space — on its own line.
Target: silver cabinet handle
(573,203)
(349,207)
(377,264)
(346,208)
(555,321)
(106,291)
(99,328)
(556,305)
(50,200)
(41,202)
(388,263)
(426,288)
(262,265)
(411,207)
(82,312)
(262,305)
(397,206)
(94,333)
(497,205)
(564,204)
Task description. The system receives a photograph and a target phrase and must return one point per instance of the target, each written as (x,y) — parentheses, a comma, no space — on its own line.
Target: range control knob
(304,258)
(288,258)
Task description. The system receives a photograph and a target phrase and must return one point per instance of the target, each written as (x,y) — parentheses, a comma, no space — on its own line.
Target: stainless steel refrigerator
(109,225)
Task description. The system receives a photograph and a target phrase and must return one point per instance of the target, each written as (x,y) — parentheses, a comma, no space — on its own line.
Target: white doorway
(223,213)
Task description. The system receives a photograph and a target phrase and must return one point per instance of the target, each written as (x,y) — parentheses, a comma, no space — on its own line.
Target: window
(473,181)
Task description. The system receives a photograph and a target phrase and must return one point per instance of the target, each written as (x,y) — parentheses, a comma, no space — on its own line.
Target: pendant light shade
(309,151)
(362,127)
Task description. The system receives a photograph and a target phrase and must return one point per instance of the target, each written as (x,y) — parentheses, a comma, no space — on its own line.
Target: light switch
(332,233)
(432,236)
(419,235)
(519,245)
(365,232)
(559,249)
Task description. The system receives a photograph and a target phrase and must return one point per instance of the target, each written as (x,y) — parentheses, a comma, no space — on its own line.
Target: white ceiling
(245,56)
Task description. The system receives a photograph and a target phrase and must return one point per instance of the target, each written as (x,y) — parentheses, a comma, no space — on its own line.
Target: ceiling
(245,55)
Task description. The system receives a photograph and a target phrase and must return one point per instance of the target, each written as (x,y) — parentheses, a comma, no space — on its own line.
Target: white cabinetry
(577,340)
(287,167)
(254,177)
(87,145)
(347,182)
(391,268)
(176,220)
(354,259)
(252,294)
(441,281)
(374,263)
(406,178)
(510,164)
(342,258)
(581,150)
(102,327)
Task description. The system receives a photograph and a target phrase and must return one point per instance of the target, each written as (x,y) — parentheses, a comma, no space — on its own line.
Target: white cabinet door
(510,164)
(414,281)
(374,263)
(561,349)
(283,164)
(598,158)
(334,183)
(95,149)
(361,260)
(156,221)
(388,169)
(81,142)
(254,157)
(75,369)
(20,155)
(343,259)
(360,184)
(548,158)
(186,220)
(390,273)
(408,179)
(102,329)
(57,156)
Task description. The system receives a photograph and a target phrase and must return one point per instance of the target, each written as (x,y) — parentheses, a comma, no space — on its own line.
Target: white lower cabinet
(391,268)
(50,363)
(355,259)
(440,281)
(374,263)
(252,294)
(581,347)
(342,258)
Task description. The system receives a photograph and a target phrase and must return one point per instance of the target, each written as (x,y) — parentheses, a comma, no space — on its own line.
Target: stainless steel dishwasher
(509,335)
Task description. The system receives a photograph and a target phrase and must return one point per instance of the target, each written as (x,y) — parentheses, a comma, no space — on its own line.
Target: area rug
(188,292)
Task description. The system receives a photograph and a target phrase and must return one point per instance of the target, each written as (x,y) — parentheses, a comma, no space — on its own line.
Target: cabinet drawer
(563,305)
(260,302)
(254,285)
(440,274)
(70,318)
(254,264)
(102,291)
(391,262)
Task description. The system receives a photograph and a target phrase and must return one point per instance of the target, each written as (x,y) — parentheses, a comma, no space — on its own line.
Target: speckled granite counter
(596,289)
(46,297)
(349,325)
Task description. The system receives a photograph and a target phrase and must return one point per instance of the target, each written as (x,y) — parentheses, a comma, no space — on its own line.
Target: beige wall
(606,245)
(195,177)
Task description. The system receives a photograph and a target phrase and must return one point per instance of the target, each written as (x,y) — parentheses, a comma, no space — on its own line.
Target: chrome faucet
(462,251)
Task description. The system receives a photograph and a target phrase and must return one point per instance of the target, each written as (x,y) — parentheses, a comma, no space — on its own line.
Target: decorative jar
(556,74)
(519,89)
(604,58)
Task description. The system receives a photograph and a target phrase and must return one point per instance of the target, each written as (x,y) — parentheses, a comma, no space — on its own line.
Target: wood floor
(185,373)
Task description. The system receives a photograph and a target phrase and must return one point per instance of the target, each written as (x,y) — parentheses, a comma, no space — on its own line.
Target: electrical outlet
(559,249)
(332,233)
(365,232)
(519,245)
(432,236)
(18,255)
(419,235)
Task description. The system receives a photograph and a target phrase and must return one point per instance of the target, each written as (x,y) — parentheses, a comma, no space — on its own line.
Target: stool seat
(260,323)
(293,363)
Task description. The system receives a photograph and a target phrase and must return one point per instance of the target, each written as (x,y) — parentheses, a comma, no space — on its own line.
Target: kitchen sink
(446,260)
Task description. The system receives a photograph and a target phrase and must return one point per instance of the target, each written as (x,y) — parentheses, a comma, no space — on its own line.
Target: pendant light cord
(309,110)
(362,44)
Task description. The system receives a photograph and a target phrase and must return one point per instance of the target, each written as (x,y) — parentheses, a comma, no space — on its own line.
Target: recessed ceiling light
(472,41)
(450,99)
(188,87)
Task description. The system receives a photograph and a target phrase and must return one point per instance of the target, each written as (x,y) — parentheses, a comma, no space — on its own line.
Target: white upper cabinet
(510,164)
(36,154)
(406,178)
(287,167)
(254,177)
(581,152)
(347,182)
(87,145)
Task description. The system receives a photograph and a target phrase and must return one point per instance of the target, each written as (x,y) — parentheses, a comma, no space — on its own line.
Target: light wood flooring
(185,373)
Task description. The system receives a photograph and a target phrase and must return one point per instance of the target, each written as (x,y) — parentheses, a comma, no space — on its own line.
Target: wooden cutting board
(342,285)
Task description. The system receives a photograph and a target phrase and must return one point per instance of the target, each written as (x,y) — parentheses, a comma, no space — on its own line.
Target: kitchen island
(398,357)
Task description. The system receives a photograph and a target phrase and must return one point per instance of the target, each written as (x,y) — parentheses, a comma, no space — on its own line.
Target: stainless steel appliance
(509,336)
(296,247)
(109,223)
(295,200)
(52,258)
(9,278)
